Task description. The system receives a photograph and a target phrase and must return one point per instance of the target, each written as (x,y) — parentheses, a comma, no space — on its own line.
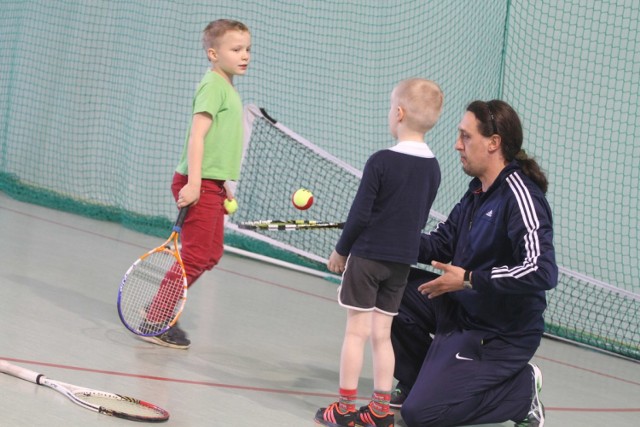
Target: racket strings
(154,287)
(121,404)
(269,225)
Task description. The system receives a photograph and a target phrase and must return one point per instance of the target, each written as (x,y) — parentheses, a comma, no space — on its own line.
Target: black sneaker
(367,418)
(332,417)
(147,327)
(174,338)
(398,396)
(535,417)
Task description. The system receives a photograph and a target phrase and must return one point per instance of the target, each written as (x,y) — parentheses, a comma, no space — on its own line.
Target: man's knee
(410,414)
(414,413)
(419,413)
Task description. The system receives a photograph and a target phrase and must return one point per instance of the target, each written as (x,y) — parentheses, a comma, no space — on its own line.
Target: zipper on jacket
(477,195)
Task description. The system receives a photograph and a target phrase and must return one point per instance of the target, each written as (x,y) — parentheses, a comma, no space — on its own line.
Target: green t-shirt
(223,143)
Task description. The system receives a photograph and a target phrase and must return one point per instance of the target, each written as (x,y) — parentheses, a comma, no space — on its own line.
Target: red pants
(202,235)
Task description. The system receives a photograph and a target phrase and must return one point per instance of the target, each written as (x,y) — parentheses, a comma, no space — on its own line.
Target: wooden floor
(265,340)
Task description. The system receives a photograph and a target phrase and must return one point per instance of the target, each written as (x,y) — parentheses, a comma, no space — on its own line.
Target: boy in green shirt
(211,156)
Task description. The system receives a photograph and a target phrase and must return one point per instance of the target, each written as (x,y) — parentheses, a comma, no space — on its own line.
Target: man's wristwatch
(467,280)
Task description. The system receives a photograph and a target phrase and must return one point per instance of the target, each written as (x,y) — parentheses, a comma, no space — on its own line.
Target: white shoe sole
(158,341)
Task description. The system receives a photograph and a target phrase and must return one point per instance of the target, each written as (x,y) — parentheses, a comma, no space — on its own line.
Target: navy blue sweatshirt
(505,237)
(392,204)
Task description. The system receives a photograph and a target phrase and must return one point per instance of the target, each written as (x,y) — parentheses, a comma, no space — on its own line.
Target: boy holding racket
(211,156)
(378,244)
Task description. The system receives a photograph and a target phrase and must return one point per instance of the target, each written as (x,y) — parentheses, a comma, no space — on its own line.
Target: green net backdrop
(95,101)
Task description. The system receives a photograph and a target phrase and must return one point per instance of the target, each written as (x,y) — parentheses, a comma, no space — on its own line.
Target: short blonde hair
(216,29)
(422,101)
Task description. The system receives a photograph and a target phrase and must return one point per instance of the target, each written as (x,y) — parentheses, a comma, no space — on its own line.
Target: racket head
(111,404)
(293,224)
(153,291)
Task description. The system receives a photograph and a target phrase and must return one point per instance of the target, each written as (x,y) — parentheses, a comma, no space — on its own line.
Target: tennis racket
(154,289)
(103,402)
(296,224)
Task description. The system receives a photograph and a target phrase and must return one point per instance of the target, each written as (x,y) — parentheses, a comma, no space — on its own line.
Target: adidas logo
(489,214)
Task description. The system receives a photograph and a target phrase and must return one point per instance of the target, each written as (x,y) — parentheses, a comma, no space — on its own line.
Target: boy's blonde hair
(216,29)
(422,102)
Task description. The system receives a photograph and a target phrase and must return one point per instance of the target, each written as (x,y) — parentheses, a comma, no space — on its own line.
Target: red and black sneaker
(367,418)
(332,417)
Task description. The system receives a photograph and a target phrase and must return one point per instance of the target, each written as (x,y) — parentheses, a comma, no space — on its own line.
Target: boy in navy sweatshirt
(378,244)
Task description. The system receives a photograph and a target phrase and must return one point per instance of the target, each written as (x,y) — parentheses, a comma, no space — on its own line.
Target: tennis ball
(302,199)
(230,206)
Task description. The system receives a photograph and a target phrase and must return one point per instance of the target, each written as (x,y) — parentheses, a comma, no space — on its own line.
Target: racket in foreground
(154,289)
(296,224)
(102,402)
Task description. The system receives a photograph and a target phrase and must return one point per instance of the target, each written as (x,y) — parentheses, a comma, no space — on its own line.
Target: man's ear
(495,142)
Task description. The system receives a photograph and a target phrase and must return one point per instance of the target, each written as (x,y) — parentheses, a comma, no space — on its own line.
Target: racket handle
(180,220)
(19,372)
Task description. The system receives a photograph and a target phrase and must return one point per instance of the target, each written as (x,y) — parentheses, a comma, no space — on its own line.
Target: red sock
(347,402)
(380,402)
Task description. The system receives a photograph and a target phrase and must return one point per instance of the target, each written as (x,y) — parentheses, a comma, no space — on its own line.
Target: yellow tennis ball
(230,206)
(302,199)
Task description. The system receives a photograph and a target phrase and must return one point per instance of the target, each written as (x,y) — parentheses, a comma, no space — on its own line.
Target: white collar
(413,148)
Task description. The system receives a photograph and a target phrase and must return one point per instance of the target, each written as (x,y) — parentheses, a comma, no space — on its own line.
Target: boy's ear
(211,54)
(400,113)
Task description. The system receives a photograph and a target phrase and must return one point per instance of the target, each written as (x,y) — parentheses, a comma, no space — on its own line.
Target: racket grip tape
(21,373)
(180,220)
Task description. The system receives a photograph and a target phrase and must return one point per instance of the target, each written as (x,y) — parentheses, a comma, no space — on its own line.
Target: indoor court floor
(265,340)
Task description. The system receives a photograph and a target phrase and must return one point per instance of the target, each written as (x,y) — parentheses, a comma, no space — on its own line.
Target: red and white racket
(103,402)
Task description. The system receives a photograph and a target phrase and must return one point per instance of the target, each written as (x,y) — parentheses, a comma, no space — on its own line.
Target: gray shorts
(369,285)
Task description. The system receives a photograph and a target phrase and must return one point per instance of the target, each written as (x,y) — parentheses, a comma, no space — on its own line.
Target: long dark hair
(498,117)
